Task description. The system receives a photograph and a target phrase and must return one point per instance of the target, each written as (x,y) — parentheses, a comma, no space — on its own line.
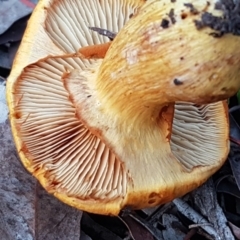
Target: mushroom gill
(198,133)
(68,22)
(60,149)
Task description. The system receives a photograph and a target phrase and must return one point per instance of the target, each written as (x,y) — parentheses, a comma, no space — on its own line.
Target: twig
(194,216)
(104,32)
(199,225)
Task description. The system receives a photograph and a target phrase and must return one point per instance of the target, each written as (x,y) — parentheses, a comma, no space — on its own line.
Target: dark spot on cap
(216,34)
(177,82)
(17,115)
(171,16)
(131,15)
(153,195)
(89,96)
(173,1)
(224,89)
(184,15)
(151,201)
(181,58)
(193,10)
(165,23)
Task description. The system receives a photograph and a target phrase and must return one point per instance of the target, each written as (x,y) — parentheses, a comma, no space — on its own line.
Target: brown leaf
(235,230)
(234,159)
(137,230)
(227,184)
(95,230)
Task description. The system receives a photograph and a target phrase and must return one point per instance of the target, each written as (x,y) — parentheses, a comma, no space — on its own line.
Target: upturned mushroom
(139,127)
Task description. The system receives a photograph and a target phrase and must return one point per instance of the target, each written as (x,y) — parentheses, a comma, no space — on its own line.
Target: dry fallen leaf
(206,200)
(235,229)
(27,211)
(12,10)
(138,230)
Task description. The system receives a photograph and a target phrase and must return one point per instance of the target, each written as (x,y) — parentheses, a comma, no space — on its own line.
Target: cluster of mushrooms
(132,122)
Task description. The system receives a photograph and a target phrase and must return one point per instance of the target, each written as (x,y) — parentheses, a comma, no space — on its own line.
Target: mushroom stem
(161,56)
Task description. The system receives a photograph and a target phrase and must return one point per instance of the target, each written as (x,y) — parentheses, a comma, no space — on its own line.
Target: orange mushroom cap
(106,134)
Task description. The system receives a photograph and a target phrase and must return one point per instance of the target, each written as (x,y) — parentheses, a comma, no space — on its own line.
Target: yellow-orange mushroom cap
(105,134)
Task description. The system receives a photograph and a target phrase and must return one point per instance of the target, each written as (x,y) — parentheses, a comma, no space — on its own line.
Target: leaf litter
(28,212)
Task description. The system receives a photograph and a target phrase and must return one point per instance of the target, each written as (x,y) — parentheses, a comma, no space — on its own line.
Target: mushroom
(137,128)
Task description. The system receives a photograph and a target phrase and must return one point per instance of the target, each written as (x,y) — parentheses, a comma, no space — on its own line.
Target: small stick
(199,225)
(104,32)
